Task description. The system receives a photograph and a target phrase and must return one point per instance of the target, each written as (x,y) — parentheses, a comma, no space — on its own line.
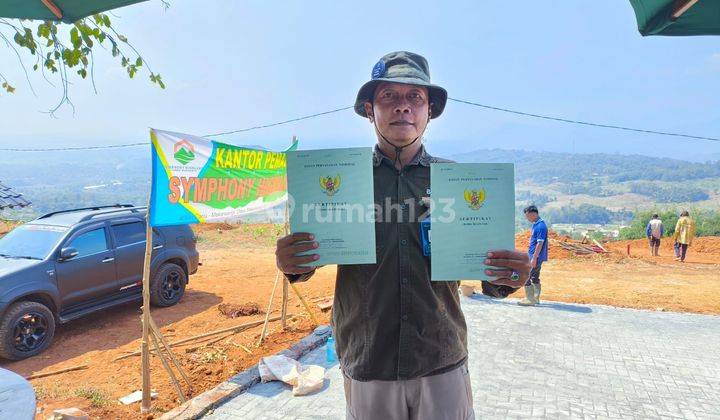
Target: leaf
(138,62)
(123,38)
(75,38)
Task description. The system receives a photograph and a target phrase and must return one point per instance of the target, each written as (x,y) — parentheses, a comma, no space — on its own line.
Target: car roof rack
(113,206)
(132,209)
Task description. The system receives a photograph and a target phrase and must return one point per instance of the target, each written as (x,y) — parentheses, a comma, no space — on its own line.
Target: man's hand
(508,261)
(533,262)
(287,249)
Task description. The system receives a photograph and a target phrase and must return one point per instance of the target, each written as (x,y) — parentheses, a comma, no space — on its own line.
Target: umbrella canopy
(677,17)
(59,10)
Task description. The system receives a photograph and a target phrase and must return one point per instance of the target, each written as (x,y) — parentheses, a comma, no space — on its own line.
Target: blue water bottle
(330,350)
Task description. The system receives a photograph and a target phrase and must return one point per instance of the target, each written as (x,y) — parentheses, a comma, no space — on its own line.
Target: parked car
(71,263)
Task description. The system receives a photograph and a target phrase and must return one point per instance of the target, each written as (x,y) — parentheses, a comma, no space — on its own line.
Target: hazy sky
(231,64)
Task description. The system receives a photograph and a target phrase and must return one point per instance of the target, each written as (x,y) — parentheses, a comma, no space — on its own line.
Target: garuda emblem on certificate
(475,199)
(329,184)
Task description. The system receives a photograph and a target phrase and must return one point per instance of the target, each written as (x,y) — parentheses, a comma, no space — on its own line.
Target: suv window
(129,233)
(90,242)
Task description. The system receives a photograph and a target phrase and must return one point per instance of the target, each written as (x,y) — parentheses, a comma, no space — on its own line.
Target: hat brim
(438,95)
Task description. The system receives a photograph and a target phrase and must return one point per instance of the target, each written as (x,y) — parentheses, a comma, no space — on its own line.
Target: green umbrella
(63,10)
(677,17)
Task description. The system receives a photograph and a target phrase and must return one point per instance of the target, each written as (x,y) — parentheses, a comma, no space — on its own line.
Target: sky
(232,64)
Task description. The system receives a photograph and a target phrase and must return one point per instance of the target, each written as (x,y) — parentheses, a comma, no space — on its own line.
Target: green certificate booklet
(331,196)
(473,212)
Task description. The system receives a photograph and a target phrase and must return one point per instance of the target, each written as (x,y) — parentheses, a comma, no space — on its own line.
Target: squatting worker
(401,338)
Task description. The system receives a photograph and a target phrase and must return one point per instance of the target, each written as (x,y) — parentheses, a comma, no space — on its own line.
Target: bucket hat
(406,68)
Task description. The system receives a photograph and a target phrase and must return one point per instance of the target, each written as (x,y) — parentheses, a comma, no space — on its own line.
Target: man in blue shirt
(538,253)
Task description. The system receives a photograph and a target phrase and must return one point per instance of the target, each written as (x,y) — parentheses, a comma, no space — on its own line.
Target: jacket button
(403,242)
(404,317)
(404,280)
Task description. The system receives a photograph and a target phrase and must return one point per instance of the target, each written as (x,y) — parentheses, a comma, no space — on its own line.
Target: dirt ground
(238,269)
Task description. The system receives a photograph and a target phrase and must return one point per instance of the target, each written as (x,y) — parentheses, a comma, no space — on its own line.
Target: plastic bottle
(330,353)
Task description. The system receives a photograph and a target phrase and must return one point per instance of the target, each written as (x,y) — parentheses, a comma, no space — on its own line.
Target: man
(401,339)
(538,252)
(684,234)
(654,232)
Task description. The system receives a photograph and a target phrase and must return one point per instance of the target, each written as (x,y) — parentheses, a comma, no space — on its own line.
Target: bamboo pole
(173,379)
(144,345)
(174,360)
(286,296)
(56,372)
(237,328)
(307,307)
(267,314)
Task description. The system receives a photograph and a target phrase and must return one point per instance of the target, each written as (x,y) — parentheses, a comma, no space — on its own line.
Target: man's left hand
(508,261)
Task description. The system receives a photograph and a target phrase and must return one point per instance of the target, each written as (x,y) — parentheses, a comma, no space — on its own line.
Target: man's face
(531,217)
(401,112)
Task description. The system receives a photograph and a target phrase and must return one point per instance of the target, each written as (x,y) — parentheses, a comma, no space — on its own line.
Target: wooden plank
(56,372)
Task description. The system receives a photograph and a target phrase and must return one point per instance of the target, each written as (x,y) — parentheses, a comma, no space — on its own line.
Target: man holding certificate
(401,338)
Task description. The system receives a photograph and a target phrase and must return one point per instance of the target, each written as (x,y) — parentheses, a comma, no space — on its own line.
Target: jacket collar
(422,157)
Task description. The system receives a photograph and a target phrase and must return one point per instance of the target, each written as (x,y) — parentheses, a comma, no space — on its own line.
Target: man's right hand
(287,249)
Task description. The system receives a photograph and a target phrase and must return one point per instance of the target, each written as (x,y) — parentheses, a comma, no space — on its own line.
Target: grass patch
(96,397)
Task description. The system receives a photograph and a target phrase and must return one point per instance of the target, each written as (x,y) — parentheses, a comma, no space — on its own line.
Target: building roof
(10,198)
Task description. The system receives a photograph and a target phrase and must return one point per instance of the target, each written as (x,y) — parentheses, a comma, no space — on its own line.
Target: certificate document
(473,212)
(331,196)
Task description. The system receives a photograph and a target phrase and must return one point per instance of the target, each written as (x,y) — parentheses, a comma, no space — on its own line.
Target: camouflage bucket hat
(402,67)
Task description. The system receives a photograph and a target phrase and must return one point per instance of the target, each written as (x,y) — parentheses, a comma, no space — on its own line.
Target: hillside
(560,182)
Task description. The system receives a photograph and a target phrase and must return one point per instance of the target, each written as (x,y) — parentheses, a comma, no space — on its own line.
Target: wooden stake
(158,334)
(285,297)
(307,307)
(237,328)
(144,345)
(56,372)
(267,314)
(173,379)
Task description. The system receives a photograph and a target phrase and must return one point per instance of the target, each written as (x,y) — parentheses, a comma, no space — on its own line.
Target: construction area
(214,330)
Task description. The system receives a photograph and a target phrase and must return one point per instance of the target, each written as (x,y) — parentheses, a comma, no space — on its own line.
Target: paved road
(553,361)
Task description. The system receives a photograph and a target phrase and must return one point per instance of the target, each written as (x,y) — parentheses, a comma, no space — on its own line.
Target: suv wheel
(167,285)
(26,330)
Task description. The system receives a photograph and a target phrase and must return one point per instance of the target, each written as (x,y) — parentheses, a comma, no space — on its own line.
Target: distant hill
(567,167)
(556,181)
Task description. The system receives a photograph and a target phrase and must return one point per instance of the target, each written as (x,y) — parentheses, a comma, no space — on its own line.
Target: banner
(195,180)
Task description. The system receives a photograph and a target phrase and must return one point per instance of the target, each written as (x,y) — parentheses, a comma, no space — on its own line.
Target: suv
(68,264)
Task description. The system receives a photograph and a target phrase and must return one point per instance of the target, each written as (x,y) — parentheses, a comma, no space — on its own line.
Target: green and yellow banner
(196,180)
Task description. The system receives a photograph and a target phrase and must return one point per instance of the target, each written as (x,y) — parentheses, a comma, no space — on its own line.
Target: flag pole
(144,346)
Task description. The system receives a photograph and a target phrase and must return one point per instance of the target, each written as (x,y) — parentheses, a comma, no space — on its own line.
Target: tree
(58,50)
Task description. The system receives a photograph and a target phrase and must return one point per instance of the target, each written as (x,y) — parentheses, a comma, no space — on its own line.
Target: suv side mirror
(68,253)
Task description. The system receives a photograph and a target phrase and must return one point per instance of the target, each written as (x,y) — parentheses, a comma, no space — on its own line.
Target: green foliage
(529,198)
(707,223)
(590,188)
(584,214)
(637,227)
(96,397)
(60,52)
(669,194)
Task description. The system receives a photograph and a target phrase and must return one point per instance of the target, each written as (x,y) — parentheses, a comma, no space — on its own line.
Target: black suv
(71,263)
